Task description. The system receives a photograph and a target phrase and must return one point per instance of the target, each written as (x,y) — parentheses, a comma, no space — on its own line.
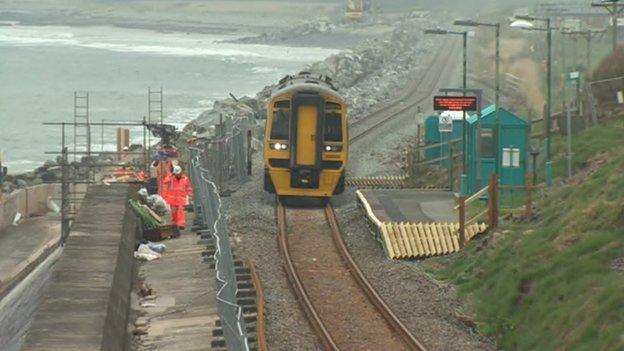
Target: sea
(42,66)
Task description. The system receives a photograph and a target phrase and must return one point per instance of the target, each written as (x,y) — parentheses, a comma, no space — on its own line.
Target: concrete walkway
(181,313)
(23,247)
(411,205)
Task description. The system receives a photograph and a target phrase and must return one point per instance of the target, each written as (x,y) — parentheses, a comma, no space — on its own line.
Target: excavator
(356,9)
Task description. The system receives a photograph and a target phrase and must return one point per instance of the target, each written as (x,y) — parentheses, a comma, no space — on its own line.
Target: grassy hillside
(556,283)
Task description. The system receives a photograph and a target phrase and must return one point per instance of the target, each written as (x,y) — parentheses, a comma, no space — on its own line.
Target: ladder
(155,106)
(82,129)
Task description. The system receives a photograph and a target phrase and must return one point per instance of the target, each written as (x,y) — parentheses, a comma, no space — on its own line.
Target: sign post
(463,103)
(445,124)
(576,77)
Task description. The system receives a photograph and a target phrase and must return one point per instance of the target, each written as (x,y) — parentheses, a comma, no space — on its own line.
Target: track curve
(424,88)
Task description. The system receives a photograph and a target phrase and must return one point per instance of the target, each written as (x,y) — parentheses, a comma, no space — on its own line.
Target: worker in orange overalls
(162,170)
(178,188)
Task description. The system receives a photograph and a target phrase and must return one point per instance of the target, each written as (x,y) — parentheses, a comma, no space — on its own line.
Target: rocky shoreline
(367,75)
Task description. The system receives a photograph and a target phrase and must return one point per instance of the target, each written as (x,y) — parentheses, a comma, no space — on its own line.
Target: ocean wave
(171,44)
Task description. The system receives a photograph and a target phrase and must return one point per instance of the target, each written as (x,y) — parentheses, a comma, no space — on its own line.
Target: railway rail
(343,308)
(416,94)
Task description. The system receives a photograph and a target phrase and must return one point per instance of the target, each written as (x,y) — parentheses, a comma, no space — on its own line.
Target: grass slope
(556,283)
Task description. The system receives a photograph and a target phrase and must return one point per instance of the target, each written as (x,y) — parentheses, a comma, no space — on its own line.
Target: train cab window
(281,124)
(331,106)
(333,127)
(282,104)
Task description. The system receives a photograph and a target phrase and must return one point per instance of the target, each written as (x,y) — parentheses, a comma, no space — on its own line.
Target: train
(306,142)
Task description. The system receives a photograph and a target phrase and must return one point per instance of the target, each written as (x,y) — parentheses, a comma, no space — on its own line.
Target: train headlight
(333,148)
(279,146)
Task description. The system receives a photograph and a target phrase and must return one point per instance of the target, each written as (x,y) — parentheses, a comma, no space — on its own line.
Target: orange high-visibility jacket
(177,189)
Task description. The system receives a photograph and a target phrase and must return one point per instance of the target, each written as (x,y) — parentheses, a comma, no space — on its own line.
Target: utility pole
(548,103)
(464,34)
(615,8)
(496,26)
(548,30)
(464,86)
(497,102)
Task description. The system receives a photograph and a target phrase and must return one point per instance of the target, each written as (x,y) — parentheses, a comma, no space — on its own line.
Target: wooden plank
(405,239)
(387,242)
(396,241)
(416,236)
(442,236)
(448,233)
(412,239)
(432,246)
(423,238)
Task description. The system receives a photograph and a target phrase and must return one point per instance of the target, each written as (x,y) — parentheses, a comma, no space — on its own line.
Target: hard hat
(142,192)
(177,170)
(125,148)
(194,134)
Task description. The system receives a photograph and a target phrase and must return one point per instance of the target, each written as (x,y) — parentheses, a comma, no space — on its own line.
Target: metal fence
(226,155)
(207,205)
(606,95)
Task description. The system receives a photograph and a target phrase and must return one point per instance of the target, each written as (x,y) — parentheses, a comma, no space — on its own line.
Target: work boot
(175,232)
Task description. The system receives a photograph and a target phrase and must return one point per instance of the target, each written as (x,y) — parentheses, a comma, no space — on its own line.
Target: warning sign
(445,124)
(455,103)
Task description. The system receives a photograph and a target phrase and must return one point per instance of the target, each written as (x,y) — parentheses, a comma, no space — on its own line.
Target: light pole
(496,26)
(548,30)
(615,7)
(464,35)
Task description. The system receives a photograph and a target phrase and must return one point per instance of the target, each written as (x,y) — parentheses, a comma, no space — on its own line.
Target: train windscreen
(333,127)
(281,124)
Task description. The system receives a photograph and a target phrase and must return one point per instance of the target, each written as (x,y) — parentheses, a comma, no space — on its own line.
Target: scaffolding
(76,176)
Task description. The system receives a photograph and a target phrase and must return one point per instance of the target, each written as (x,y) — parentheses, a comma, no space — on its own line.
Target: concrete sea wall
(86,305)
(27,201)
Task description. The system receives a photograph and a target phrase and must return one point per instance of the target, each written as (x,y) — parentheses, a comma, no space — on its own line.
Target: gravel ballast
(428,308)
(251,218)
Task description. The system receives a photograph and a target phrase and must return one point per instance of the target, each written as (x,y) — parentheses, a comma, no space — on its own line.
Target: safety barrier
(417,240)
(211,218)
(385,182)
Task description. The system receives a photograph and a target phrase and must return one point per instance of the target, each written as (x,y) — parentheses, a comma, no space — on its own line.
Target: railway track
(343,308)
(420,91)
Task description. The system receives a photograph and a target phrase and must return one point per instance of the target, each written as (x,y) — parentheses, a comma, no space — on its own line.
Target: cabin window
(511,157)
(333,127)
(280,126)
(488,145)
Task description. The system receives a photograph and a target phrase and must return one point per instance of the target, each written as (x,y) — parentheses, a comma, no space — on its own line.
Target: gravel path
(429,309)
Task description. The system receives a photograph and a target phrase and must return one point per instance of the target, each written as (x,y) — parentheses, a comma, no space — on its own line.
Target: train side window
(333,127)
(280,126)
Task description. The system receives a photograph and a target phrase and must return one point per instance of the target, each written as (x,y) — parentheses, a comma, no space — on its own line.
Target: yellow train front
(306,138)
